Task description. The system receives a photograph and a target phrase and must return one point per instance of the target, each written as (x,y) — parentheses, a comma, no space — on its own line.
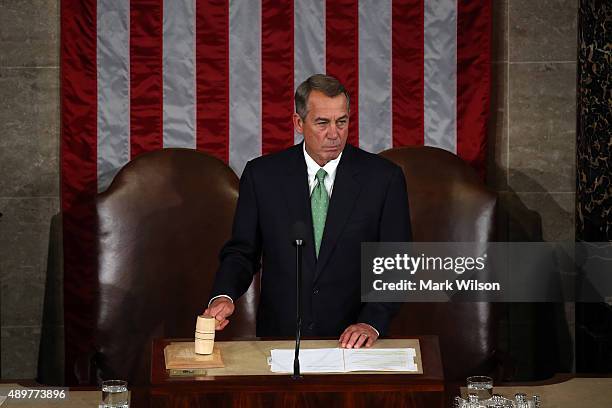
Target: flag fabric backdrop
(219,77)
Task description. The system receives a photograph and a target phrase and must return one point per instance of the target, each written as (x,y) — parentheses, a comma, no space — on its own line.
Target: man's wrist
(220,296)
(373,328)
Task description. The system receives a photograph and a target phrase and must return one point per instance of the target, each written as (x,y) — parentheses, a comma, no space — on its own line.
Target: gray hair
(326,84)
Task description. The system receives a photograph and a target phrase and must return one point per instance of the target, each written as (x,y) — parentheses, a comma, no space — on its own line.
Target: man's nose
(333,131)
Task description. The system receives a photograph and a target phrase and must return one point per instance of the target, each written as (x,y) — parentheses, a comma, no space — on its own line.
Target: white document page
(324,360)
(338,360)
(392,359)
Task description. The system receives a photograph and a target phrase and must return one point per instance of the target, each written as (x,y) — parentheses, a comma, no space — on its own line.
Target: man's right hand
(221,308)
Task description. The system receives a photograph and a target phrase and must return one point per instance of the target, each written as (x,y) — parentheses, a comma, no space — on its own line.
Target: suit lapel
(297,195)
(344,195)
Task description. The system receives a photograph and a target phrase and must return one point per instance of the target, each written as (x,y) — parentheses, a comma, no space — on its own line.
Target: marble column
(29,175)
(594,170)
(531,162)
(594,123)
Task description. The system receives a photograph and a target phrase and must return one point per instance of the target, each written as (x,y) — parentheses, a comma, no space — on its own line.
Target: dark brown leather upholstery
(162,223)
(448,202)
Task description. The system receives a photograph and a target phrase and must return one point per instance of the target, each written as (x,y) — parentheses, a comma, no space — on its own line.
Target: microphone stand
(298,325)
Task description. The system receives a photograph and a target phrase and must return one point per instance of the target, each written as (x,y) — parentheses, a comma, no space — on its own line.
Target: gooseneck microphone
(298,239)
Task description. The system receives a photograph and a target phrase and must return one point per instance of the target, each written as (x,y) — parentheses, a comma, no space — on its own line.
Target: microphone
(298,234)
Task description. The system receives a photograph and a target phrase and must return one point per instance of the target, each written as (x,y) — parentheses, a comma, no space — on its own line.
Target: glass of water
(114,394)
(481,386)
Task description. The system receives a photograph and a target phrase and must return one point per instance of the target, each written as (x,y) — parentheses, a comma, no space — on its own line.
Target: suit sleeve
(240,257)
(394,227)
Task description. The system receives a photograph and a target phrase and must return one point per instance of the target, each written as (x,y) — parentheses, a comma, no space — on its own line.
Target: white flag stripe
(440,74)
(179,117)
(113,83)
(309,42)
(244,82)
(375,115)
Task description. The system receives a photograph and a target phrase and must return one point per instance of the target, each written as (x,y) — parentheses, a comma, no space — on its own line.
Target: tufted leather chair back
(448,202)
(161,224)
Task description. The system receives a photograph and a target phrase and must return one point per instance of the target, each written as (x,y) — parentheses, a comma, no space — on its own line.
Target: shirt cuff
(374,328)
(225,296)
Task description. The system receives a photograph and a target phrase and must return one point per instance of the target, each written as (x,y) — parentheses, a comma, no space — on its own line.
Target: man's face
(325,127)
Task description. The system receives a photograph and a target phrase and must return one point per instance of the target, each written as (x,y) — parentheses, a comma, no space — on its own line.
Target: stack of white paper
(338,360)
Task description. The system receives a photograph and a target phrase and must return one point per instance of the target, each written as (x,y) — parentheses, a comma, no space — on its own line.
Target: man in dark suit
(344,195)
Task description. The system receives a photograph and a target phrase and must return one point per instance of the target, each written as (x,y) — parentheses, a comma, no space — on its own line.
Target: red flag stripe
(341,52)
(79,173)
(276,75)
(407,71)
(473,80)
(146,77)
(212,77)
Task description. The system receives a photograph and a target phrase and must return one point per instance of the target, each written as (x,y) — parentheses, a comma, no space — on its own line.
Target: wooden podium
(240,384)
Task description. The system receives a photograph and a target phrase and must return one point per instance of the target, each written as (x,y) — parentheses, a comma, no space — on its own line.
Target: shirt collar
(312,166)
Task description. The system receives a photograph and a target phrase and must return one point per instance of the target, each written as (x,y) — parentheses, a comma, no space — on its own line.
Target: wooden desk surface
(249,358)
(232,387)
(76,399)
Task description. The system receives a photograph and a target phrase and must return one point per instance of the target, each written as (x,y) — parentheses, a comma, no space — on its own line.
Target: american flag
(219,76)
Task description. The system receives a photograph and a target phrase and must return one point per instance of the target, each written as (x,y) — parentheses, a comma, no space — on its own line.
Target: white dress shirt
(313,167)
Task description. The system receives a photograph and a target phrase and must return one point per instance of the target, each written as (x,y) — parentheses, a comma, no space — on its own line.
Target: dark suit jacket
(368,204)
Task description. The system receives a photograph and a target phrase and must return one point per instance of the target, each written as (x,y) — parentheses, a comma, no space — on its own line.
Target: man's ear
(298,123)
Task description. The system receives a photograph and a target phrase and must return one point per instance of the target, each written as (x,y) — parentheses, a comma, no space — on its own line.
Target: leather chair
(161,224)
(166,215)
(448,202)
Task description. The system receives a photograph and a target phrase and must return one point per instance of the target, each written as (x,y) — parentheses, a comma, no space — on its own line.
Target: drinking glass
(114,394)
(480,385)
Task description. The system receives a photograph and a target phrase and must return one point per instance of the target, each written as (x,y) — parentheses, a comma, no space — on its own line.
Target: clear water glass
(481,386)
(114,394)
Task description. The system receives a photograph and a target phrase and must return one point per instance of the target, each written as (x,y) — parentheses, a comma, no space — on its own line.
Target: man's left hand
(358,335)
